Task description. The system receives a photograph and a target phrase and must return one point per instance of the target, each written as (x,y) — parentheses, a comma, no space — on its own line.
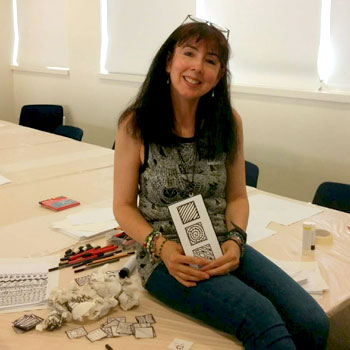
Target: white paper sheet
(87,223)
(91,216)
(25,284)
(307,272)
(280,210)
(4,180)
(264,209)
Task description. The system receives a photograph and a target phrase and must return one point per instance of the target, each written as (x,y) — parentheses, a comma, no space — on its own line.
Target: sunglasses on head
(223,30)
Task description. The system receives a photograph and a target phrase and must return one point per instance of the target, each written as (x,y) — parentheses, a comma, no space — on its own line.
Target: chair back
(333,195)
(41,117)
(70,131)
(251,174)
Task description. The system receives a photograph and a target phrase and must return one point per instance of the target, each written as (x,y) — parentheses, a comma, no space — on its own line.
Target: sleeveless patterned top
(164,179)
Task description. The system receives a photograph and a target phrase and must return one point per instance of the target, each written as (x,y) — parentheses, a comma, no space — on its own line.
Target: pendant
(190,189)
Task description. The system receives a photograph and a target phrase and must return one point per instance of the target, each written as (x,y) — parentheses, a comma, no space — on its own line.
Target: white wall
(6,86)
(296,143)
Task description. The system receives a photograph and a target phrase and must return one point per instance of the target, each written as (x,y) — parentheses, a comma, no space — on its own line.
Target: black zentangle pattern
(196,233)
(188,212)
(204,252)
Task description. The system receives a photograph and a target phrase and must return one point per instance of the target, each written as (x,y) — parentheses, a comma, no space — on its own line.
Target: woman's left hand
(228,262)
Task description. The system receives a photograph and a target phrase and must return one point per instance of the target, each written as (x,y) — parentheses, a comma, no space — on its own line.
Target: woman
(180,138)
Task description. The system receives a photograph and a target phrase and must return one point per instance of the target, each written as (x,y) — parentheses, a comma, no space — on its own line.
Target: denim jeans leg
(305,320)
(227,304)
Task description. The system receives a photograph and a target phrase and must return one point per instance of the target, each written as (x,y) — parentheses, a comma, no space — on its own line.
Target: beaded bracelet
(150,243)
(159,255)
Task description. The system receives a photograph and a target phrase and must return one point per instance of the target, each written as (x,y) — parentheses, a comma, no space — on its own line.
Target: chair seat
(70,131)
(333,195)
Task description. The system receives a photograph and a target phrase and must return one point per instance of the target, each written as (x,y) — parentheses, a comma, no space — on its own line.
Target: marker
(94,251)
(102,256)
(97,264)
(108,347)
(120,255)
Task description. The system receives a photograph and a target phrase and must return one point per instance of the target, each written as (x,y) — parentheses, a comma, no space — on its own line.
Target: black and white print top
(165,179)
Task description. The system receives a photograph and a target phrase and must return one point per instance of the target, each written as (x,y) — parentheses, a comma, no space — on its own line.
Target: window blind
(340,44)
(136,29)
(42,32)
(274,42)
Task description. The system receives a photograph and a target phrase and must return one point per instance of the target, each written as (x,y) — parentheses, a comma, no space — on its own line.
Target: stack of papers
(25,284)
(306,273)
(263,209)
(87,223)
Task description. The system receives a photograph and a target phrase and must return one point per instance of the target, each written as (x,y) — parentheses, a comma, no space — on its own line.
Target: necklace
(190,184)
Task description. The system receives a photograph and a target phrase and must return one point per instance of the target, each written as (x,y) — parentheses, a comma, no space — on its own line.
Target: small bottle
(309,235)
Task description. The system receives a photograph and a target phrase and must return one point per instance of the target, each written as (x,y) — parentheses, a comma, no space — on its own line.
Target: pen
(120,255)
(97,264)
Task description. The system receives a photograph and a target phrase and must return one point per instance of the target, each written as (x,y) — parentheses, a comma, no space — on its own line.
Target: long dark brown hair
(152,116)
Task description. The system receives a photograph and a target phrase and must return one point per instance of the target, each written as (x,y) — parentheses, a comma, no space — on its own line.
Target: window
(133,30)
(40,33)
(274,42)
(278,44)
(340,44)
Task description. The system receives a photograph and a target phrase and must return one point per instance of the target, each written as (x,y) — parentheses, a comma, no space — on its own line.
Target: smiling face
(194,69)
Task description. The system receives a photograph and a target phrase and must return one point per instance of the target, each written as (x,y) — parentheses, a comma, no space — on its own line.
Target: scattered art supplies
(59,203)
(88,223)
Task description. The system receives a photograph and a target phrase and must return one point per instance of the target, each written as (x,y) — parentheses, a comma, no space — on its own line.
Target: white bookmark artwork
(195,230)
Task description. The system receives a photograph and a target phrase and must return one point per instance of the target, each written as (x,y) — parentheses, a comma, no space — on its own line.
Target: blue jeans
(258,303)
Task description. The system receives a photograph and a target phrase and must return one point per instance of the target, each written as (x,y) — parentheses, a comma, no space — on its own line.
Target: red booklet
(59,203)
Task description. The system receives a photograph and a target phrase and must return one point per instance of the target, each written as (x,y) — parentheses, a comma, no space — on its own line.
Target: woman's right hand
(178,264)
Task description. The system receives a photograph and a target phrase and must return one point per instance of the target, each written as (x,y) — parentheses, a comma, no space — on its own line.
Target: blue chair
(70,131)
(333,195)
(42,117)
(251,174)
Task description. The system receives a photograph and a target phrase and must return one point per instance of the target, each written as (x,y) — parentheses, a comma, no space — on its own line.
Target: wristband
(239,243)
(240,232)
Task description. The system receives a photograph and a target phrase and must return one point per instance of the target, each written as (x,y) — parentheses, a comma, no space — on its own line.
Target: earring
(168,80)
(212,93)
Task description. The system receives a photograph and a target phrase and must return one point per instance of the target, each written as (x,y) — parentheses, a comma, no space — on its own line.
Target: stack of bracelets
(150,245)
(237,235)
